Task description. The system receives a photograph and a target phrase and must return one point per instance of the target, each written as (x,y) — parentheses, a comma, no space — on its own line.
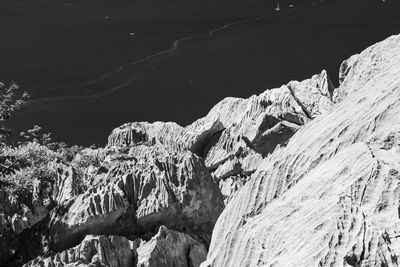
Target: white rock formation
(154,173)
(237,133)
(331,196)
(346,66)
(254,127)
(142,190)
(99,251)
(166,248)
(170,248)
(311,175)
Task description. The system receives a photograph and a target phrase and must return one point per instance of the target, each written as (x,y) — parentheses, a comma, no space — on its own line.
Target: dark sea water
(90,66)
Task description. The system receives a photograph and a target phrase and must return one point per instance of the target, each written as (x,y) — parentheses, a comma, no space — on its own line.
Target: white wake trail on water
(151,59)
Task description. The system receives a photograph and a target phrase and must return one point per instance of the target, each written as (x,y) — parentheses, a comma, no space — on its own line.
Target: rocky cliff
(331,196)
(309,175)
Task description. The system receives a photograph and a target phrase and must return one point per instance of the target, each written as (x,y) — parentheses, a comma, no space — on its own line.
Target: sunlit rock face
(309,175)
(166,248)
(346,66)
(110,251)
(137,194)
(254,127)
(171,136)
(237,133)
(331,196)
(162,174)
(170,248)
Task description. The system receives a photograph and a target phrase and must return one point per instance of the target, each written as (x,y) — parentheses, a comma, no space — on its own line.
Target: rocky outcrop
(250,122)
(163,174)
(170,248)
(107,251)
(254,127)
(310,175)
(160,173)
(331,196)
(237,133)
(166,248)
(346,66)
(17,218)
(65,186)
(374,61)
(151,187)
(171,136)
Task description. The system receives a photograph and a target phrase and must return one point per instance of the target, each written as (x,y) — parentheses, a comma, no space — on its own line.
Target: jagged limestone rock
(376,61)
(170,135)
(254,127)
(104,251)
(346,66)
(171,248)
(236,129)
(310,175)
(331,196)
(137,195)
(65,184)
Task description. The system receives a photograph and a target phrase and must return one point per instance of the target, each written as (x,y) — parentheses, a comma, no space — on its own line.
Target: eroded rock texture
(151,187)
(170,248)
(254,127)
(19,220)
(331,196)
(166,248)
(160,173)
(99,251)
(155,174)
(310,174)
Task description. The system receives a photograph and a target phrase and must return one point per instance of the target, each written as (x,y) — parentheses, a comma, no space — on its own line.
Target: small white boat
(291,5)
(107,17)
(132,34)
(278,8)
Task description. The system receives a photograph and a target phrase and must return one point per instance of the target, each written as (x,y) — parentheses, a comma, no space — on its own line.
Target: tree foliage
(11,99)
(34,158)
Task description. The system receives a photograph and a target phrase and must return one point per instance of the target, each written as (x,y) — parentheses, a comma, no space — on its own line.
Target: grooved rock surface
(17,217)
(170,248)
(254,127)
(170,135)
(310,175)
(254,122)
(166,248)
(237,133)
(65,185)
(99,251)
(331,196)
(346,66)
(163,174)
(147,188)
